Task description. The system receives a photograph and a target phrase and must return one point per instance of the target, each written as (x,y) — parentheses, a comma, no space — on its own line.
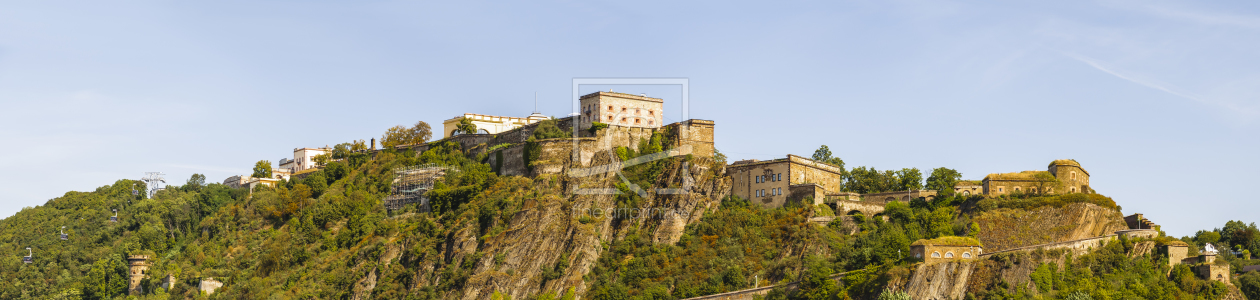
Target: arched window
(949,254)
(966,254)
(966,193)
(936,255)
(1073,189)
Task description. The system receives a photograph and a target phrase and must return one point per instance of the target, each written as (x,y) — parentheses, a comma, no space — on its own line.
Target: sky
(1158,100)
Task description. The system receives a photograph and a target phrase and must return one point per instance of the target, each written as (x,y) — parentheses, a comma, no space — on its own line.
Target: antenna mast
(535,102)
(153,180)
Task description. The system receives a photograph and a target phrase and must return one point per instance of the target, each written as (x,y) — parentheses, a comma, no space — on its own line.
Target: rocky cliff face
(575,227)
(1003,229)
(945,280)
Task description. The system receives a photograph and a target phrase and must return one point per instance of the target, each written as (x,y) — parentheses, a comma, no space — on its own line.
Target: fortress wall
(1077,247)
(513,161)
(808,171)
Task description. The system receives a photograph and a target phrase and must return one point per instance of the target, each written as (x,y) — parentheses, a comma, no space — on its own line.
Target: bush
(596,127)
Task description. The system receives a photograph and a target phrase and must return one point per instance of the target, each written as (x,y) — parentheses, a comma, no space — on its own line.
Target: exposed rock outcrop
(944,280)
(1003,229)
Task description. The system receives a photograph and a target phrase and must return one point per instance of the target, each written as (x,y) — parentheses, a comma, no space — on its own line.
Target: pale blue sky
(1159,100)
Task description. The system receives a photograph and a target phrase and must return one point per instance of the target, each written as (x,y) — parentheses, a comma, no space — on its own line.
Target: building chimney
(373,143)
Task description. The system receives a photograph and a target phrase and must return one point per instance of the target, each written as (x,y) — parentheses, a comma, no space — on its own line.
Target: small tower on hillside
(114,219)
(28,259)
(64,236)
(138,265)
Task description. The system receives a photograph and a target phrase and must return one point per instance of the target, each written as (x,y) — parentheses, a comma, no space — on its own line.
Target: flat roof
(623,95)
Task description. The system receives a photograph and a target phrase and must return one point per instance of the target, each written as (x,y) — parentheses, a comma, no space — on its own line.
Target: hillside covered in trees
(327,236)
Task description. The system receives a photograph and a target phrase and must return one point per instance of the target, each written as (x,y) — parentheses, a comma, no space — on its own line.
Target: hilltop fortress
(609,120)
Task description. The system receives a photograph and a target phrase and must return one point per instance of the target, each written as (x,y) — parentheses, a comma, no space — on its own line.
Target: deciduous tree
(262,169)
(943,180)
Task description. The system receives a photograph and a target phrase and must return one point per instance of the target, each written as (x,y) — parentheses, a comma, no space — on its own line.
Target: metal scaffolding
(411,183)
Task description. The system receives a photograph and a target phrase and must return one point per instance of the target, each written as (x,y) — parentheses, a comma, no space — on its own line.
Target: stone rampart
(904,196)
(1077,247)
(557,155)
(866,208)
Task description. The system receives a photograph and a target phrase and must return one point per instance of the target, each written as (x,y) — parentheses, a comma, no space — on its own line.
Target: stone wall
(813,193)
(939,253)
(866,208)
(697,133)
(1214,272)
(1076,247)
(904,196)
(806,170)
(621,110)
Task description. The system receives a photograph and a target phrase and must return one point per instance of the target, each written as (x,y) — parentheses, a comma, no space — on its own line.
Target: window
(966,254)
(636,112)
(636,120)
(623,120)
(610,108)
(778,177)
(936,255)
(1000,190)
(610,118)
(1073,189)
(651,113)
(1032,190)
(949,254)
(1073,175)
(966,193)
(1017,189)
(623,109)
(649,122)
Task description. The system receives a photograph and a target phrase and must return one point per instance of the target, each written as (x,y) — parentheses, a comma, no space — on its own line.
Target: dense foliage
(1106,273)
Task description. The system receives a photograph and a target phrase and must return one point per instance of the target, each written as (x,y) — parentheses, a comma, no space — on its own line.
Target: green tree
(817,284)
(547,129)
(943,180)
(403,135)
(909,179)
(106,279)
(341,151)
(823,155)
(195,182)
(890,294)
(1207,237)
(466,126)
(262,169)
(1249,283)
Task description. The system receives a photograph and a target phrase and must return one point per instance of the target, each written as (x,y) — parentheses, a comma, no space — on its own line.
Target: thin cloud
(1148,83)
(1167,88)
(1205,18)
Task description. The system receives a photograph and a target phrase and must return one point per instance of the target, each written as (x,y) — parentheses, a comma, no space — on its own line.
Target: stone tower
(139,265)
(1069,172)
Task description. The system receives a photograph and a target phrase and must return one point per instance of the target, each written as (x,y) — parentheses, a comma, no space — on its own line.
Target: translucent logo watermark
(632,213)
(617,165)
